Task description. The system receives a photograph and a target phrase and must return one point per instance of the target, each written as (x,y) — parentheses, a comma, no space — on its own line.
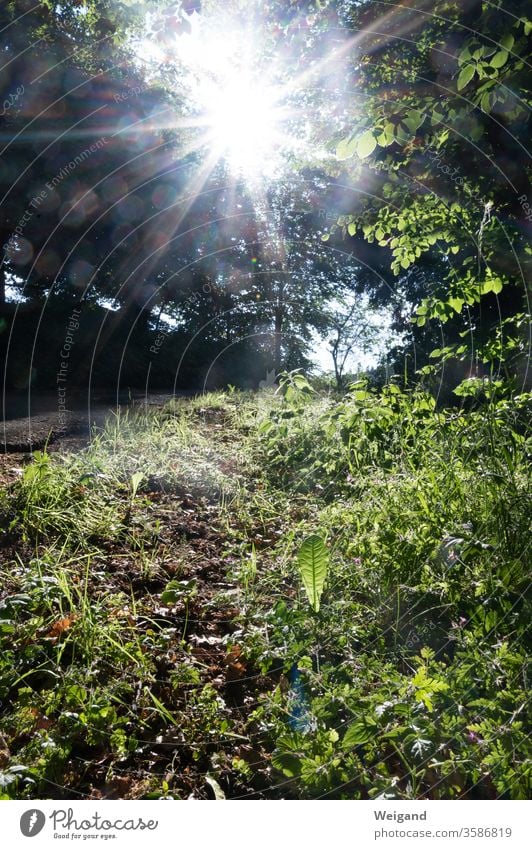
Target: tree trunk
(4,238)
(278,328)
(277,340)
(2,285)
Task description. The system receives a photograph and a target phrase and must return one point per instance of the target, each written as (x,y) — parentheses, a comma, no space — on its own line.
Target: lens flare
(244,126)
(234,97)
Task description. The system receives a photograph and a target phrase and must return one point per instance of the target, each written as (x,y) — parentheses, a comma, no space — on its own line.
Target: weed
(159,619)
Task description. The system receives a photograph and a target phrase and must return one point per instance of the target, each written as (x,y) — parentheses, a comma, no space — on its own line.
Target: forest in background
(283,585)
(411,194)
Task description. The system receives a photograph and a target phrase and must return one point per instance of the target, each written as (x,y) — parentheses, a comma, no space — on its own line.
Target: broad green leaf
(301,382)
(366,144)
(499,59)
(358,733)
(351,228)
(346,148)
(492,284)
(313,561)
(456,303)
(387,136)
(485,102)
(414,118)
(507,41)
(176,591)
(289,765)
(403,134)
(169,597)
(465,76)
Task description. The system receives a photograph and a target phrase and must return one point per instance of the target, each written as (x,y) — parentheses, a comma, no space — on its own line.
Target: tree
(444,132)
(352,329)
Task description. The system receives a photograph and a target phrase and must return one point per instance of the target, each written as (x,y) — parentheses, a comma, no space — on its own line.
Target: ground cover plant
(259,577)
(289,594)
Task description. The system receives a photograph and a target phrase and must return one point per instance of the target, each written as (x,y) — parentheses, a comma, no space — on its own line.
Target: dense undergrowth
(157,640)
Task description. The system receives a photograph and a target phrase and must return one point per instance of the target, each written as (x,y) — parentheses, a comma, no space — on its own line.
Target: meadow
(285,594)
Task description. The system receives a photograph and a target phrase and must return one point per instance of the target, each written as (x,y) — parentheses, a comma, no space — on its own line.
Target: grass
(156,635)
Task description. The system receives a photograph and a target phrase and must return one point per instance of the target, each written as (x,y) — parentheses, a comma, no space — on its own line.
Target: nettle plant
(313,563)
(328,442)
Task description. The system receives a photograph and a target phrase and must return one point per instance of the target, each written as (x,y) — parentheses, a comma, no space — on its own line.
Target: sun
(233,97)
(244,121)
(238,103)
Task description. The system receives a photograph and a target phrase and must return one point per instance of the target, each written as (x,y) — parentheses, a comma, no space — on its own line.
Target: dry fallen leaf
(62,625)
(235,668)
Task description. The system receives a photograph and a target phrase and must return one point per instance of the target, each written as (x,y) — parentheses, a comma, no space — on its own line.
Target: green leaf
(134,482)
(169,597)
(403,134)
(366,144)
(351,228)
(176,590)
(358,733)
(485,102)
(313,562)
(465,76)
(346,148)
(413,120)
(84,479)
(499,59)
(219,794)
(286,763)
(387,137)
(456,304)
(492,284)
(507,41)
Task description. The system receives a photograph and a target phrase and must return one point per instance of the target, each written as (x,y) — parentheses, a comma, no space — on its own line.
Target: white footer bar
(272,825)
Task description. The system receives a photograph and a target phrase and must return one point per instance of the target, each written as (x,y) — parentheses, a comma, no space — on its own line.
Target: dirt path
(32,423)
(186,610)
